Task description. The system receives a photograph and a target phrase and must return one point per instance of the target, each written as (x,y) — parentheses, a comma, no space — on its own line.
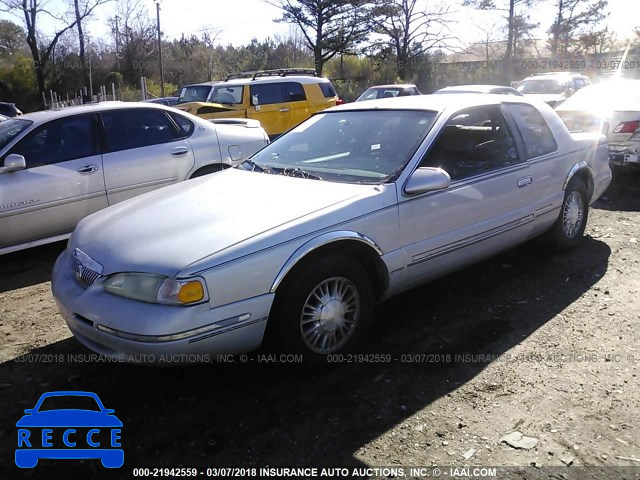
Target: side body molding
(318,242)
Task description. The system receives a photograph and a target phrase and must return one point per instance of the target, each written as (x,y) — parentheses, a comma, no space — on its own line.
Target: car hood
(206,107)
(168,229)
(69,418)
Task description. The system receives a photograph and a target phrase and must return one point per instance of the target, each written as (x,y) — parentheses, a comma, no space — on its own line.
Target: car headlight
(150,288)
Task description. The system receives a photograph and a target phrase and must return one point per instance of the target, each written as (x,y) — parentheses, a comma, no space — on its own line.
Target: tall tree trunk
(32,42)
(76,4)
(556,29)
(317,49)
(508,54)
(319,60)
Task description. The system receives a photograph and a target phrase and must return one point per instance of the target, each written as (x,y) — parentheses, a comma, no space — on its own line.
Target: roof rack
(278,72)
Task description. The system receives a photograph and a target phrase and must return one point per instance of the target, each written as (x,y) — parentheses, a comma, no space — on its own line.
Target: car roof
(554,76)
(54,113)
(210,84)
(70,393)
(308,79)
(393,85)
(438,103)
(478,87)
(558,73)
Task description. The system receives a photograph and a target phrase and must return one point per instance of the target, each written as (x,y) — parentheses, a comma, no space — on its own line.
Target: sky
(241,20)
(238,21)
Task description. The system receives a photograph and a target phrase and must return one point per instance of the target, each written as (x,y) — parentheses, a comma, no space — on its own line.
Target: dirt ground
(532,342)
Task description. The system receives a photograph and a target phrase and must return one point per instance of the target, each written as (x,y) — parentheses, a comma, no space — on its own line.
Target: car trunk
(581,121)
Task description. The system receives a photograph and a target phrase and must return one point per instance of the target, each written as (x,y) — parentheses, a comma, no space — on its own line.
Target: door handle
(88,169)
(179,151)
(283,110)
(524,181)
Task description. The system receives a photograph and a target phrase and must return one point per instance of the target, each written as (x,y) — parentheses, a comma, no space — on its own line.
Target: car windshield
(10,129)
(230,94)
(194,93)
(548,85)
(374,93)
(67,402)
(362,146)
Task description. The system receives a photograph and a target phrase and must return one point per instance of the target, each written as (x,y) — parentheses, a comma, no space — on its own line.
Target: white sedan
(613,108)
(59,166)
(356,204)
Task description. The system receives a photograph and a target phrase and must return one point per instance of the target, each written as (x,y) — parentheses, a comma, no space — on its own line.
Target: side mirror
(29,411)
(13,162)
(570,91)
(255,100)
(427,179)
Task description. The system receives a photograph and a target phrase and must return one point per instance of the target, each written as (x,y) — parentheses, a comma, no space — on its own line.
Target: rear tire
(324,308)
(568,230)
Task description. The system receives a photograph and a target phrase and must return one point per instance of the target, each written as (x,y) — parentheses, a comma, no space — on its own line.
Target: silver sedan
(356,204)
(59,166)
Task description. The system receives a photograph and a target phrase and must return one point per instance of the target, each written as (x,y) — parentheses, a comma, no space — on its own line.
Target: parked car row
(354,205)
(612,108)
(58,166)
(553,87)
(279,99)
(295,245)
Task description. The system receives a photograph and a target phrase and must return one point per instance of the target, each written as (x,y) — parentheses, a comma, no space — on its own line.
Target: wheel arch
(583,171)
(209,168)
(354,244)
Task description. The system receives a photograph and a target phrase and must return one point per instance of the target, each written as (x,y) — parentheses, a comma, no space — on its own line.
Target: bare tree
(597,42)
(136,38)
(78,15)
(410,31)
(329,26)
(12,37)
(42,50)
(509,6)
(522,28)
(574,18)
(488,40)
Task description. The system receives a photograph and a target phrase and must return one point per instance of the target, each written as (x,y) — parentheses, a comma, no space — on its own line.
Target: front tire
(325,307)
(568,230)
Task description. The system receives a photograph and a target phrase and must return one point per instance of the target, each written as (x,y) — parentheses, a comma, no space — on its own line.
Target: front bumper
(132,331)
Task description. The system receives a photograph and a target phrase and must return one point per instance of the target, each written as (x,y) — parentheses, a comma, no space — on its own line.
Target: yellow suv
(279,99)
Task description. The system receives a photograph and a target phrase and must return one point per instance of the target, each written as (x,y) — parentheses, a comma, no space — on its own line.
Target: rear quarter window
(185,125)
(537,136)
(328,90)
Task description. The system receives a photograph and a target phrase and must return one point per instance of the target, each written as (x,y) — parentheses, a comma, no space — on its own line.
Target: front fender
(318,242)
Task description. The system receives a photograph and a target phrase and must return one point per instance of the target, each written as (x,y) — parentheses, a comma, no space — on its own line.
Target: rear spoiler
(242,122)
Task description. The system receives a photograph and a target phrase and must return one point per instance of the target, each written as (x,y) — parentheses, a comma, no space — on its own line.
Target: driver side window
(473,142)
(59,141)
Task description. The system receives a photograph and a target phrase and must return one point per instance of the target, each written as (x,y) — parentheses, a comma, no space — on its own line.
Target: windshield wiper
(296,172)
(255,167)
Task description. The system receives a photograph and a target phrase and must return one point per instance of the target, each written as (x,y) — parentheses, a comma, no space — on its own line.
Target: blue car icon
(69,425)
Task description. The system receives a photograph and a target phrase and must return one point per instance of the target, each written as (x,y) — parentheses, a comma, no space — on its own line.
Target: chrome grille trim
(84,275)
